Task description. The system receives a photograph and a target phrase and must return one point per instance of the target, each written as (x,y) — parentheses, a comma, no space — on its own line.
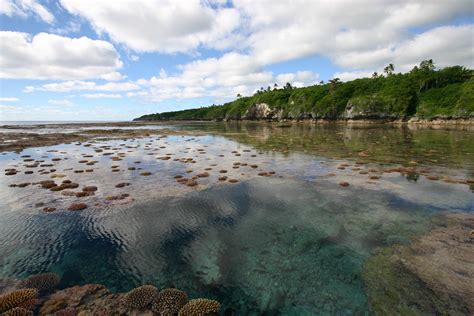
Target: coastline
(32,136)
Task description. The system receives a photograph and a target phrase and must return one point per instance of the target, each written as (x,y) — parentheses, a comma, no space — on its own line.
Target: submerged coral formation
(15,298)
(42,282)
(141,297)
(433,275)
(200,307)
(169,302)
(18,311)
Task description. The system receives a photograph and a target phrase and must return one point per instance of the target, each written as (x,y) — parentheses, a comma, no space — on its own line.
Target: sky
(116,60)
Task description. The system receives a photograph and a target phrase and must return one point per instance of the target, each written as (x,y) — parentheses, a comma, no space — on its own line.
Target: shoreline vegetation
(423,95)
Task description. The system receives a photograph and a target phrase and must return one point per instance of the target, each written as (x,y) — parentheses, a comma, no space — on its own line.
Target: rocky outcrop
(367,108)
(432,275)
(261,111)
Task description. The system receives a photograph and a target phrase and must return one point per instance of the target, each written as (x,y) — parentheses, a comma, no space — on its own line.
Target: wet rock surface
(432,275)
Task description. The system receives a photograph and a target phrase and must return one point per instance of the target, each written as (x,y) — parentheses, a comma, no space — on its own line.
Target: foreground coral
(432,275)
(169,302)
(17,298)
(199,307)
(141,297)
(96,299)
(42,282)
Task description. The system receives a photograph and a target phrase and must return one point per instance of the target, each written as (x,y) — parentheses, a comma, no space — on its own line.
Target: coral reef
(200,307)
(18,311)
(15,298)
(42,282)
(73,297)
(141,297)
(169,302)
(433,275)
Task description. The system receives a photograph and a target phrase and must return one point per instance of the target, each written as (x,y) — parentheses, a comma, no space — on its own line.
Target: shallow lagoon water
(292,243)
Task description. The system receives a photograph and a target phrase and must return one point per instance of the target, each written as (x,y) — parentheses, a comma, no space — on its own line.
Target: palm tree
(333,83)
(389,69)
(427,65)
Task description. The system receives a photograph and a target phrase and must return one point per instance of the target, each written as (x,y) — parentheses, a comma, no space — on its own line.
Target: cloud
(351,75)
(113,76)
(8,99)
(286,30)
(49,56)
(159,25)
(102,96)
(24,8)
(62,102)
(222,78)
(79,85)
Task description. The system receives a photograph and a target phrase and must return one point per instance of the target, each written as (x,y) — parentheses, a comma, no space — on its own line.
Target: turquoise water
(293,243)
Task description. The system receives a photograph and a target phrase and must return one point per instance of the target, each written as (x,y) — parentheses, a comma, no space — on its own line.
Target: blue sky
(116,60)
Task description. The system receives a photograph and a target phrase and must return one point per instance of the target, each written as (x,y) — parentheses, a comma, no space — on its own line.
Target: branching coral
(18,311)
(200,307)
(16,298)
(42,282)
(169,302)
(141,297)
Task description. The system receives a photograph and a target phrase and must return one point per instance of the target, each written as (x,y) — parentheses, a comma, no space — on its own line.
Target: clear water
(293,243)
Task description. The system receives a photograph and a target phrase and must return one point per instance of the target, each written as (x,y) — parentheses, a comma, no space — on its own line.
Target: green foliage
(423,91)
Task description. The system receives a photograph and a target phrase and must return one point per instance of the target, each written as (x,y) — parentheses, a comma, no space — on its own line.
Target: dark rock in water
(145,173)
(431,276)
(90,188)
(77,207)
(191,183)
(344,184)
(49,209)
(84,193)
(117,197)
(122,184)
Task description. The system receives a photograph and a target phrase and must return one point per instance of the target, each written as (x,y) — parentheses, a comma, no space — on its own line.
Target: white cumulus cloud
(49,56)
(80,85)
(8,99)
(158,25)
(102,96)
(25,8)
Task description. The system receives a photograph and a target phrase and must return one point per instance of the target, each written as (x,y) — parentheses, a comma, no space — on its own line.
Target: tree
(333,83)
(275,86)
(427,65)
(389,69)
(375,75)
(288,86)
(321,82)
(239,95)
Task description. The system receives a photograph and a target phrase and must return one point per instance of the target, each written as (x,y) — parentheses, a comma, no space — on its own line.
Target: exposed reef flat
(17,141)
(432,275)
